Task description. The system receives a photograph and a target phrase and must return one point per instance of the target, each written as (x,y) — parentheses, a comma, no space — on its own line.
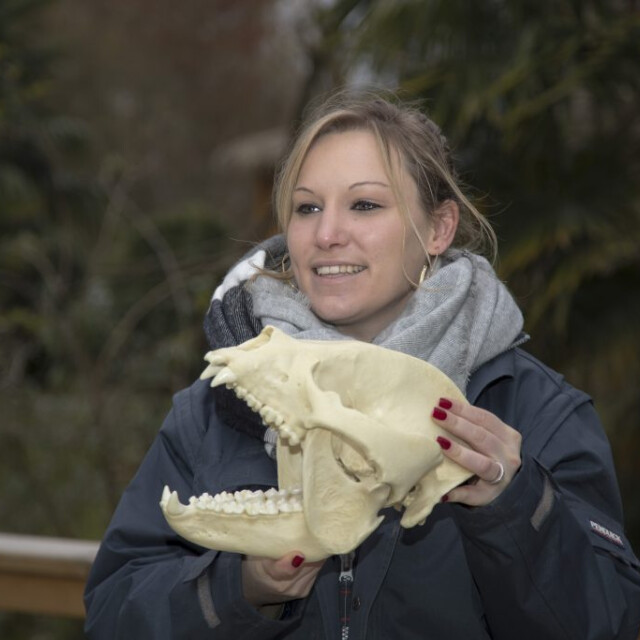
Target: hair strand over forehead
(407,139)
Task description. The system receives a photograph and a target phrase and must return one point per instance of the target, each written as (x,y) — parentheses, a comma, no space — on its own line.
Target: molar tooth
(271,416)
(289,434)
(229,507)
(253,508)
(224,376)
(253,403)
(294,439)
(270,507)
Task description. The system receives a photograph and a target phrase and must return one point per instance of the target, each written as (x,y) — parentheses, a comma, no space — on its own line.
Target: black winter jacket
(546,560)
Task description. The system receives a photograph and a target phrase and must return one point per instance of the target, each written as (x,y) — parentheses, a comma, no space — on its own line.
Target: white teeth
(252,402)
(211,371)
(338,268)
(270,508)
(171,502)
(224,376)
(270,417)
(290,435)
(252,503)
(216,359)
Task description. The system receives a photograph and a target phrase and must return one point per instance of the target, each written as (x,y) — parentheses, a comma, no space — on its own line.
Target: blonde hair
(407,139)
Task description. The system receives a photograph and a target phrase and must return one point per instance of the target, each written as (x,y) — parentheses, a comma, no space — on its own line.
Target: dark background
(138,140)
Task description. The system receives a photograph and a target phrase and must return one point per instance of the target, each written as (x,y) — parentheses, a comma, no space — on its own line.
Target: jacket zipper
(345,591)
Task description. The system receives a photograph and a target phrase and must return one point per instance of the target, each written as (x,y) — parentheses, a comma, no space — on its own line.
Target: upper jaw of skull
(354,435)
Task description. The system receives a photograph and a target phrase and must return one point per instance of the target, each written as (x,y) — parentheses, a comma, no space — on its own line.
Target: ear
(444,224)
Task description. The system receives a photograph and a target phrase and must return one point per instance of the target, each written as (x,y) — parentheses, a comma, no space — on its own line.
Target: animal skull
(355,435)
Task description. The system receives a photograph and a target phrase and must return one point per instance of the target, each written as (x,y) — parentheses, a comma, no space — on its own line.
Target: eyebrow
(366,182)
(352,186)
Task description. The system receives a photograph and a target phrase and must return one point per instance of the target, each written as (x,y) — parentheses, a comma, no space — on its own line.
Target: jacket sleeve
(549,555)
(146,581)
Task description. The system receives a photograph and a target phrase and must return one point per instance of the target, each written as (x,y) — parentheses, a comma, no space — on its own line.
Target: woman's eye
(365,205)
(306,207)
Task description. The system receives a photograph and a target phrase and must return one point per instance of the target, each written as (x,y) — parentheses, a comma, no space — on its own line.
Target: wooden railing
(44,575)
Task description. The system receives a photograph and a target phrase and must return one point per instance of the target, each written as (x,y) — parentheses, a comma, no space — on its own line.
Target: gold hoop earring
(287,276)
(428,269)
(423,274)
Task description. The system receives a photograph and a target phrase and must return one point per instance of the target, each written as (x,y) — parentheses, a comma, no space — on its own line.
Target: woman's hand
(268,582)
(490,449)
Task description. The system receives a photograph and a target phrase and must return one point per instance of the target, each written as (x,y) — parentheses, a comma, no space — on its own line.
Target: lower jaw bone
(271,536)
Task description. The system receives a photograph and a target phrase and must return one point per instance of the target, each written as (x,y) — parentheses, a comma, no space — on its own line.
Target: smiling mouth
(338,269)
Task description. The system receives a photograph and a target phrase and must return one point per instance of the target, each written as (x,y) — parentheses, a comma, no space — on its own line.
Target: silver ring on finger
(500,475)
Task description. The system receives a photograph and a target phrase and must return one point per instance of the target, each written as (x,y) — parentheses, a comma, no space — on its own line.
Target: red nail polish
(439,414)
(445,498)
(443,442)
(297,561)
(445,404)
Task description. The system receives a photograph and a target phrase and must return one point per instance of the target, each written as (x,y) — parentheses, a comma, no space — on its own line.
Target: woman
(380,245)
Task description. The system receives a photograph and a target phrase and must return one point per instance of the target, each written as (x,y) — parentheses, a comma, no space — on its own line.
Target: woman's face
(347,240)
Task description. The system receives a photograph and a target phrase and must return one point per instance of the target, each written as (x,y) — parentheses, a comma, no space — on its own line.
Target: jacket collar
(502,366)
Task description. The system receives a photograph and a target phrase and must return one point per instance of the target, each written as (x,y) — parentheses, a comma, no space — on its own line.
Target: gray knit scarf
(458,319)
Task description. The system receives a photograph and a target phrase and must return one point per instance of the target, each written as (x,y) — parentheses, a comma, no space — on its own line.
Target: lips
(337,269)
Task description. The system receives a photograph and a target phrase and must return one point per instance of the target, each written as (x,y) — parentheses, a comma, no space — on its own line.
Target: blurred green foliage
(101,307)
(541,102)
(102,296)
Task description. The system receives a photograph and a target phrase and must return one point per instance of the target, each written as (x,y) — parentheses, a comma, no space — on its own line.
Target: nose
(331,230)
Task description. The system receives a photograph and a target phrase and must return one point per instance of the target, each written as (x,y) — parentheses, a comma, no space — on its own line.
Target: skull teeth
(270,417)
(172,504)
(224,376)
(253,503)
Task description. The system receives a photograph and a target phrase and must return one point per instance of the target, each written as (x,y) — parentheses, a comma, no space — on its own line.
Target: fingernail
(444,403)
(445,498)
(297,561)
(443,442)
(439,414)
